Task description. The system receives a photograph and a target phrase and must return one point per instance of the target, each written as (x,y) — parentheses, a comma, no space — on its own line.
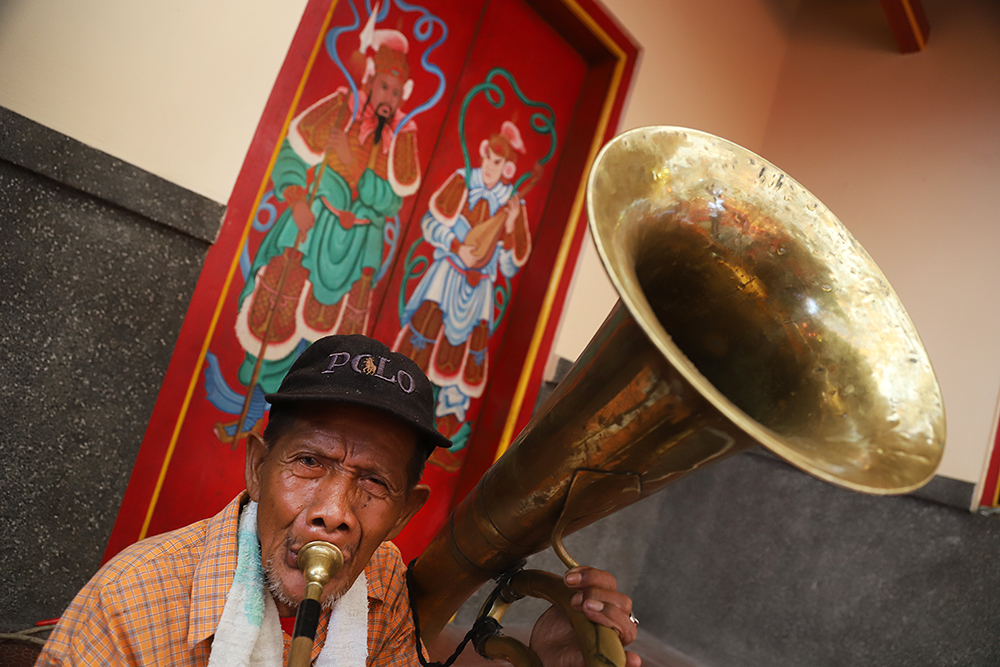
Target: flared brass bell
(766,304)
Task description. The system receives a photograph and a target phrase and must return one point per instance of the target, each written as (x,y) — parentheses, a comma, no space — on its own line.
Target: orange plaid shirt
(159,602)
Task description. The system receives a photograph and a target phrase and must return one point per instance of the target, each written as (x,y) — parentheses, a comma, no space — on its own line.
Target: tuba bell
(748,314)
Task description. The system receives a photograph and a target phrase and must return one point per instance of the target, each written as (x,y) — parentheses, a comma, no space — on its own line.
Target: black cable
(483,628)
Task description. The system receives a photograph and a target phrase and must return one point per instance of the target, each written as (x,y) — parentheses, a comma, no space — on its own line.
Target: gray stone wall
(99,260)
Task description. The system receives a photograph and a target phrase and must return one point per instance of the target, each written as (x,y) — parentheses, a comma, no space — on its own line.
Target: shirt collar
(213,576)
(376,583)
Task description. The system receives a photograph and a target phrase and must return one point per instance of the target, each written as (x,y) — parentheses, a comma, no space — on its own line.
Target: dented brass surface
(768,306)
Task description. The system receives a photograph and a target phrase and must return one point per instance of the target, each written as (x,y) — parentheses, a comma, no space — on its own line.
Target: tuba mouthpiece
(319,562)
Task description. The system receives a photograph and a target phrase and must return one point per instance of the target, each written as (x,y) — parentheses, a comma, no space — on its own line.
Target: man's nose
(332,509)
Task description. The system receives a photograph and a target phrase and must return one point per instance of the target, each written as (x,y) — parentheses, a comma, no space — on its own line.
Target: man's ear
(256,453)
(415,500)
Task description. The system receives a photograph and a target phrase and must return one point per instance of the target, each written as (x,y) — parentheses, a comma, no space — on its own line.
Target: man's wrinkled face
(493,165)
(387,94)
(339,475)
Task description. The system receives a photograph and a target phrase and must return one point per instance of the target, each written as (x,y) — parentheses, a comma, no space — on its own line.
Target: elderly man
(350,429)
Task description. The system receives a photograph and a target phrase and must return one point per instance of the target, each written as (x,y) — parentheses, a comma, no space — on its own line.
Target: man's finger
(614,618)
(602,596)
(590,577)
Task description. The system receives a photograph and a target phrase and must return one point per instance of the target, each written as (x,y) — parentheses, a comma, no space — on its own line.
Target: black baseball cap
(358,370)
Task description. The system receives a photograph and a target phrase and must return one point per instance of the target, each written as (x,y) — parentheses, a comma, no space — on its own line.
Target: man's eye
(376,486)
(309,461)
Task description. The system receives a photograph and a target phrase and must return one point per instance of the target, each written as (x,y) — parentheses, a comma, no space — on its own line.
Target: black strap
(483,628)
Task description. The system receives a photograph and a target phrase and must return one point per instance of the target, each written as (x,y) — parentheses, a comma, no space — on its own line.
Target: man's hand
(303,216)
(598,598)
(467,254)
(513,209)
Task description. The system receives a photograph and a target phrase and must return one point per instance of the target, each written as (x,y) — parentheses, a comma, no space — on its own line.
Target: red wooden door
(411,136)
(513,105)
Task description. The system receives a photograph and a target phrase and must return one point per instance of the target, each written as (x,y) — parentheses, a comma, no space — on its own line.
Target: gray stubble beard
(278,592)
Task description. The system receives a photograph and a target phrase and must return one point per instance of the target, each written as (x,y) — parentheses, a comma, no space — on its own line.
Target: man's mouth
(292,557)
(292,554)
(276,577)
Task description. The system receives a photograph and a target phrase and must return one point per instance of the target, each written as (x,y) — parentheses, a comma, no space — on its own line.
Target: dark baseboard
(32,146)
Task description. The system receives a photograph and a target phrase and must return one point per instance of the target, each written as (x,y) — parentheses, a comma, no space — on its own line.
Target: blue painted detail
(245,263)
(219,393)
(266,204)
(227,400)
(423,30)
(391,237)
(419,341)
(331,49)
(460,439)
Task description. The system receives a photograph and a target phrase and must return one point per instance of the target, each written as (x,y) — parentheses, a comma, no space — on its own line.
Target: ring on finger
(632,618)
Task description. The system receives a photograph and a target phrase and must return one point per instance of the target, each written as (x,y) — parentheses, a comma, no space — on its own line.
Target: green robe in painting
(334,256)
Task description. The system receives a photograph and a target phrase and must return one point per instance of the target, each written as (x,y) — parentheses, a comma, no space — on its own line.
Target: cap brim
(430,437)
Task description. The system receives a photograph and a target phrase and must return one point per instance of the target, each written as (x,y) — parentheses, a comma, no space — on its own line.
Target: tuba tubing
(748,315)
(645,427)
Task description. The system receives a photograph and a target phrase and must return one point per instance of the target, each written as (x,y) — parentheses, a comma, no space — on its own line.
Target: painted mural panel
(326,230)
(397,187)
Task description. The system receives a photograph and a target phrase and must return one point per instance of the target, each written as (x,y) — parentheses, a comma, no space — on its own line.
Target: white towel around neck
(249,633)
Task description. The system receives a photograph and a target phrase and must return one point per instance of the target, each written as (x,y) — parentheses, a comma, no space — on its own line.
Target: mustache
(347,550)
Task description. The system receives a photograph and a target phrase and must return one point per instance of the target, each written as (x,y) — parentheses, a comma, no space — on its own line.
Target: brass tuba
(748,314)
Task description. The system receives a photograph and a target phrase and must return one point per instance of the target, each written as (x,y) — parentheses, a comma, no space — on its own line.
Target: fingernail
(593,605)
(577,600)
(573,578)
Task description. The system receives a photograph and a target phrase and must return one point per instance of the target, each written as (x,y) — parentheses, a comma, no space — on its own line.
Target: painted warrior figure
(344,168)
(479,229)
